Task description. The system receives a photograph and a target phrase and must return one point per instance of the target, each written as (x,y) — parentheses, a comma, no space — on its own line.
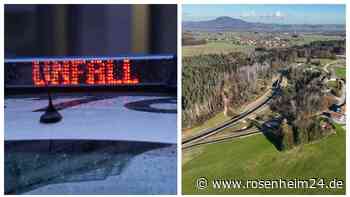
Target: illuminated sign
(90,71)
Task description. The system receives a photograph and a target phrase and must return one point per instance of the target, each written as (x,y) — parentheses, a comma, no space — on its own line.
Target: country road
(237,134)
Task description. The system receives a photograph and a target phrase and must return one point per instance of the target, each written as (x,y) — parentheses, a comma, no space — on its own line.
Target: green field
(255,157)
(340,72)
(226,46)
(306,39)
(218,47)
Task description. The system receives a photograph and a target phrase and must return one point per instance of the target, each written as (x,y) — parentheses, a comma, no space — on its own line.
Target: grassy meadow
(255,157)
(218,47)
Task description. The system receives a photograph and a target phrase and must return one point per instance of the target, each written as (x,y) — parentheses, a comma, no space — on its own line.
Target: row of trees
(189,39)
(322,49)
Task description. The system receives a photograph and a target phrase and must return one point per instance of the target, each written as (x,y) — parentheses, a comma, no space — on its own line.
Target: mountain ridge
(226,23)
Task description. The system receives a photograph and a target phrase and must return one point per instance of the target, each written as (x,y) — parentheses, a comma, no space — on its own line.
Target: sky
(281,14)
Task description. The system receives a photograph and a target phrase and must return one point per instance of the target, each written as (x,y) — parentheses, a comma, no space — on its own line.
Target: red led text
(94,72)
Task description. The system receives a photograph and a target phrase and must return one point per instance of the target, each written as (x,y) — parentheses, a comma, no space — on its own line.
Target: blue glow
(88,58)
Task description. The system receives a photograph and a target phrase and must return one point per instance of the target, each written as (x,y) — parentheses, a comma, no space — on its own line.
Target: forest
(214,83)
(300,105)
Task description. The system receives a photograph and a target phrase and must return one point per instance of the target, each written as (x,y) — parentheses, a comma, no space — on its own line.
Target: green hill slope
(255,157)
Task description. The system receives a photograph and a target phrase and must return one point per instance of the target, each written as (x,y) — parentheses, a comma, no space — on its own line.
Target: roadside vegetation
(210,123)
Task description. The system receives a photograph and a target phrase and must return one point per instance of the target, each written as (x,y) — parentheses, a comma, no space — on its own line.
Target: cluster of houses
(338,114)
(265,42)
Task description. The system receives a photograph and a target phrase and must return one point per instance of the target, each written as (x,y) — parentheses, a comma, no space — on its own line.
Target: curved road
(211,131)
(235,134)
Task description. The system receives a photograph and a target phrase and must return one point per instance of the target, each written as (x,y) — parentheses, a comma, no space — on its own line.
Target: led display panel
(89,71)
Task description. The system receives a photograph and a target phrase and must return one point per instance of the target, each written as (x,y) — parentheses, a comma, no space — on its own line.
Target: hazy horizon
(333,14)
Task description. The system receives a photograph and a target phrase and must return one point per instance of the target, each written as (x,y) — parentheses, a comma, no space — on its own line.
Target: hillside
(256,158)
(225,23)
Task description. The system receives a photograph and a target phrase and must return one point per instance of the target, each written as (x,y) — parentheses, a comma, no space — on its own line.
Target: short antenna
(51,114)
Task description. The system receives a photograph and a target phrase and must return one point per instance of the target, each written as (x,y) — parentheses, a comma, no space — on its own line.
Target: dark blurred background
(88,30)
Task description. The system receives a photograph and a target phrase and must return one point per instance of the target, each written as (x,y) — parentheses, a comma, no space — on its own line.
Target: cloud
(278,15)
(248,14)
(272,15)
